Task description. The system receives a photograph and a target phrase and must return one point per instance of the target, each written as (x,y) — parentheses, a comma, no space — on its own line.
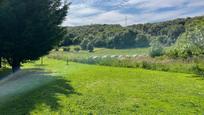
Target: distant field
(90,89)
(99,52)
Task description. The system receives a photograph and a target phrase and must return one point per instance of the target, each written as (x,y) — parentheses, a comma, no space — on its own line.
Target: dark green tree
(84,43)
(142,40)
(30,28)
(90,47)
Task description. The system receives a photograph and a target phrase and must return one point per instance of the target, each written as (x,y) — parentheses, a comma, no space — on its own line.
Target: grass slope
(90,89)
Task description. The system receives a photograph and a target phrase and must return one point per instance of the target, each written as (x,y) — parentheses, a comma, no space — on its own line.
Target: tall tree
(30,28)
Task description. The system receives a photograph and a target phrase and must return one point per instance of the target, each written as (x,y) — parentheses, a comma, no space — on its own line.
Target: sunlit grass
(90,89)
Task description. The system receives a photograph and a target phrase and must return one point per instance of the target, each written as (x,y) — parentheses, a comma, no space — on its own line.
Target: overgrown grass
(163,63)
(90,89)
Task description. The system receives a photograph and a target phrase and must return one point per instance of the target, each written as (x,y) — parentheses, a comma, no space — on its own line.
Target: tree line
(116,36)
(182,36)
(191,42)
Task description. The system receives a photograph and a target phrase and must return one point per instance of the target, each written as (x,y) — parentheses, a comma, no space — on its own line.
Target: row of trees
(116,36)
(30,29)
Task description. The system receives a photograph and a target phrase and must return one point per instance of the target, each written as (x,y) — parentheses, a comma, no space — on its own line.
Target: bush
(67,49)
(156,49)
(57,49)
(172,52)
(197,70)
(77,49)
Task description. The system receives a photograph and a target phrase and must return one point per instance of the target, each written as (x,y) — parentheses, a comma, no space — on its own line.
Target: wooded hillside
(116,36)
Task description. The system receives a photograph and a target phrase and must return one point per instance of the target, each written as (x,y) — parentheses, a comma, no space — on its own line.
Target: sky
(86,12)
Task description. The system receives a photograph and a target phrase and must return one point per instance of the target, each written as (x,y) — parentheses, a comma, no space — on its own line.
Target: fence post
(41,60)
(67,60)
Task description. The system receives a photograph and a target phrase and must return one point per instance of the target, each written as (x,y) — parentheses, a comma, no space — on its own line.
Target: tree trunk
(15,66)
(41,60)
(0,62)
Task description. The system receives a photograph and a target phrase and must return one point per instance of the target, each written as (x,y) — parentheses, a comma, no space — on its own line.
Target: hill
(116,36)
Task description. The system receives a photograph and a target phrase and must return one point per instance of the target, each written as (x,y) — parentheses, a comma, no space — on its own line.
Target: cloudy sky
(85,12)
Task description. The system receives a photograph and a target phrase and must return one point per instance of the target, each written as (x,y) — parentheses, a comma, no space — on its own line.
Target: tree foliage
(191,42)
(156,48)
(140,35)
(90,47)
(30,28)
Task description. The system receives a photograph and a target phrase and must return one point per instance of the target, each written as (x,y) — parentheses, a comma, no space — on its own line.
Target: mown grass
(91,89)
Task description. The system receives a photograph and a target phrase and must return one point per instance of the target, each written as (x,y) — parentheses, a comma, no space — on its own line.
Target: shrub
(77,49)
(172,52)
(156,49)
(197,70)
(145,65)
(57,49)
(67,49)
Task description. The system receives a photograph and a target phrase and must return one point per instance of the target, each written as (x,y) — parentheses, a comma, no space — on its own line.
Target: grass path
(89,89)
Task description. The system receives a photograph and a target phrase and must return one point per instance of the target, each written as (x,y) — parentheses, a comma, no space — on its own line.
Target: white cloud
(84,14)
(151,5)
(111,17)
(83,10)
(196,3)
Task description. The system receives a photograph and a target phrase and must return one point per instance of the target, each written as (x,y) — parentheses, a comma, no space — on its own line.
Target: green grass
(99,52)
(90,89)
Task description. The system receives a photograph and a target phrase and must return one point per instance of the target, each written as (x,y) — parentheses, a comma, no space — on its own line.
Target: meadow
(82,54)
(56,88)
(132,58)
(94,65)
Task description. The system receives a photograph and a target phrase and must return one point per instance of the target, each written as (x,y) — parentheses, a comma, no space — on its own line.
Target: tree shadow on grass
(46,94)
(198,77)
(4,72)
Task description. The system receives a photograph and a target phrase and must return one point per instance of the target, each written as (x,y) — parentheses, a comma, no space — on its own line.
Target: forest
(139,35)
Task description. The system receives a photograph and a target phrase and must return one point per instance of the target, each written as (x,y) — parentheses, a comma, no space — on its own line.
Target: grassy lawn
(89,89)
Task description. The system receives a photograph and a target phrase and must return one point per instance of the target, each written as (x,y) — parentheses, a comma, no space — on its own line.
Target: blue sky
(85,12)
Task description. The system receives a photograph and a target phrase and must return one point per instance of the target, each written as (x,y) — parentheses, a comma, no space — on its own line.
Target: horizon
(130,12)
(139,23)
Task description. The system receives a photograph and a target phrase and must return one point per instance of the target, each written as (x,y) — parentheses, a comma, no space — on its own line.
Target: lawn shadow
(199,74)
(198,77)
(44,94)
(4,72)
